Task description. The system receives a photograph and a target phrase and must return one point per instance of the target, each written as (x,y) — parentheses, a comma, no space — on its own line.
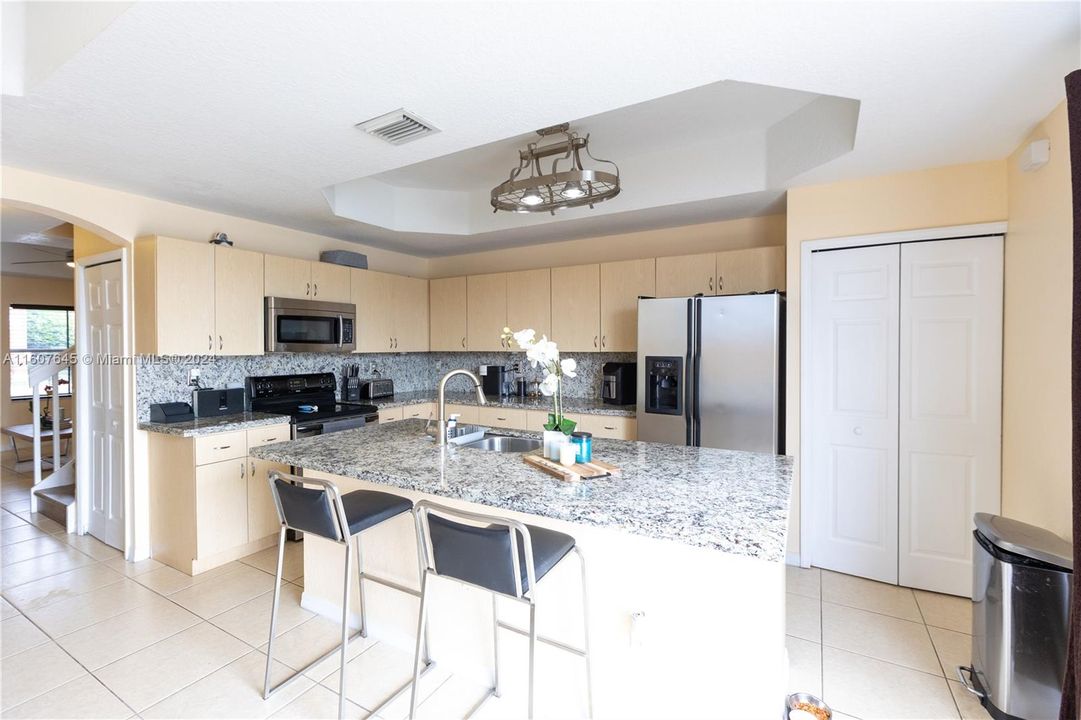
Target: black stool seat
(482,555)
(368,508)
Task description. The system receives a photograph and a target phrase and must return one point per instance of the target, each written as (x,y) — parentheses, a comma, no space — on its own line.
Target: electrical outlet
(193,377)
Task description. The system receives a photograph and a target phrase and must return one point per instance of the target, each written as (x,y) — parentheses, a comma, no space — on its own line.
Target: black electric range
(310,401)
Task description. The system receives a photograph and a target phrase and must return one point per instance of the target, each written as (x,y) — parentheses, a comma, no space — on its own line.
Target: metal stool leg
(274,611)
(532,649)
(360,583)
(420,642)
(347,582)
(495,646)
(585,632)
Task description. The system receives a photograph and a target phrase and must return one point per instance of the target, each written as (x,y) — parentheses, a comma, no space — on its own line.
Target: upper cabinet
(622,283)
(686,275)
(197,299)
(392,312)
(447,303)
(305,279)
(576,308)
(238,301)
(529,301)
(486,311)
(751,270)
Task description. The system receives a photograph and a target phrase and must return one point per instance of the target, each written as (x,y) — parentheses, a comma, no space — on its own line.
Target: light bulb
(572,190)
(532,197)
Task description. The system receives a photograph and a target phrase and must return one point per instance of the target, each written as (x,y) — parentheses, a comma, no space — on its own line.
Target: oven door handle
(341,331)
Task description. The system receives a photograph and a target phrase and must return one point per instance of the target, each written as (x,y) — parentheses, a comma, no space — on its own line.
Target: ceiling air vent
(398,127)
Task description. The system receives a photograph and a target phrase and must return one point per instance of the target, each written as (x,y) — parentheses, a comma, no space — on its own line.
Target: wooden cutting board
(574,473)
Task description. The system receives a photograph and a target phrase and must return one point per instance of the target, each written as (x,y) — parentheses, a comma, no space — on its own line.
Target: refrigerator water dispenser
(664,385)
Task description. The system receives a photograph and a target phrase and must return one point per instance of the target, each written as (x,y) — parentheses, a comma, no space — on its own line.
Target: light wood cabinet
(536,419)
(576,308)
(610,426)
(410,313)
(686,275)
(466,413)
(420,411)
(621,285)
(287,277)
(447,314)
(486,311)
(392,312)
(529,301)
(501,417)
(750,270)
(238,301)
(262,513)
(389,415)
(330,282)
(174,297)
(210,502)
(371,293)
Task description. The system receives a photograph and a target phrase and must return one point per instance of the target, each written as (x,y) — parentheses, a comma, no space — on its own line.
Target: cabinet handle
(223,447)
(594,341)
(308,289)
(253,468)
(604,341)
(608,427)
(315,289)
(242,470)
(711,284)
(209,342)
(270,440)
(720,283)
(221,342)
(463,342)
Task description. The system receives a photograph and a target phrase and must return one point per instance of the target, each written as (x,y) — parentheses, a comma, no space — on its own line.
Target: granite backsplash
(165,379)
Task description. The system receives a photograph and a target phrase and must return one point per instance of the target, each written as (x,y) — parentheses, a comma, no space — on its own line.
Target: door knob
(857,430)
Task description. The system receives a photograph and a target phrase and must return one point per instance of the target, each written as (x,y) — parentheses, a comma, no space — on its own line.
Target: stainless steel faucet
(443,399)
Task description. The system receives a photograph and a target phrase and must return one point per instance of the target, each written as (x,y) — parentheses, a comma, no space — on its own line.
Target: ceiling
(249,108)
(32,237)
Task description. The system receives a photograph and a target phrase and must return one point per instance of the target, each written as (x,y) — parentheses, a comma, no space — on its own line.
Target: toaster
(381,388)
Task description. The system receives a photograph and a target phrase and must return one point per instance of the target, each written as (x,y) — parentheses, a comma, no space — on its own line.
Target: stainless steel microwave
(309,326)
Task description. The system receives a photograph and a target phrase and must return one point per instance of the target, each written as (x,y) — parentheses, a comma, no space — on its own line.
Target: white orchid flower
(525,338)
(549,385)
(568,367)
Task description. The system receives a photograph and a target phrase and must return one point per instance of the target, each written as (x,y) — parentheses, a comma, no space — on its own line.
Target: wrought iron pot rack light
(573,186)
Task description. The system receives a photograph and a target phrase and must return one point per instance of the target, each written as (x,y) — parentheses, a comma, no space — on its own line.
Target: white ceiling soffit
(250,109)
(717,141)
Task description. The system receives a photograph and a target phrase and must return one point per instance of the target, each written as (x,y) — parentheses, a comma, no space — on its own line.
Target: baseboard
(792,559)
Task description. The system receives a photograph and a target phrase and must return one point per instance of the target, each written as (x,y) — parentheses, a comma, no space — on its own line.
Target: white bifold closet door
(854,363)
(951,406)
(906,408)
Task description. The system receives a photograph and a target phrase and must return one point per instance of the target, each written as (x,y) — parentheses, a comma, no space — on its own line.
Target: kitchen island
(685,557)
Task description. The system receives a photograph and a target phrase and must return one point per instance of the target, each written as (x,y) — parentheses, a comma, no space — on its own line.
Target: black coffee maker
(620,383)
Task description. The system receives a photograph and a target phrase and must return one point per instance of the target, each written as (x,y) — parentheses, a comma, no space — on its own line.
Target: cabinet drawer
(267,435)
(465,413)
(608,426)
(390,415)
(535,420)
(502,417)
(222,446)
(421,411)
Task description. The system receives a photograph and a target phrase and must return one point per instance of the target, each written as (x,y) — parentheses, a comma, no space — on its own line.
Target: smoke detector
(398,127)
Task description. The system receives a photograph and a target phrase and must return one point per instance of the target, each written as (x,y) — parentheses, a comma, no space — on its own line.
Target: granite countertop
(735,502)
(585,406)
(212,425)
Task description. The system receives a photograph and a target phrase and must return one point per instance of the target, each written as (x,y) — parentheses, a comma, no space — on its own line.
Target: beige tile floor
(878,652)
(85,634)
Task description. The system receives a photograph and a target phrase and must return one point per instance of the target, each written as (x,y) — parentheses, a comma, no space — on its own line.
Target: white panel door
(950,406)
(105,319)
(853,443)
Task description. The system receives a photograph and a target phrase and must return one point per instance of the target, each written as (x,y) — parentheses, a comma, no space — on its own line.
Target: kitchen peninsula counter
(585,406)
(684,565)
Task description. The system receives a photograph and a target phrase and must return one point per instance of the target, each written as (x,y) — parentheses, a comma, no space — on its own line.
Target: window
(37,329)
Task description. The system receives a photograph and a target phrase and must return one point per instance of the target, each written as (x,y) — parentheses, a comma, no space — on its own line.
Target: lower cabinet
(420,411)
(210,502)
(610,426)
(501,417)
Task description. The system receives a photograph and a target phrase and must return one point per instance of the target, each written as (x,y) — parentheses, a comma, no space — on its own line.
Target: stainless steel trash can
(1021,595)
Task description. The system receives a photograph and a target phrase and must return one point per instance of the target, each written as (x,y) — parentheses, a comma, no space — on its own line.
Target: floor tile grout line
(921,621)
(77,662)
(927,629)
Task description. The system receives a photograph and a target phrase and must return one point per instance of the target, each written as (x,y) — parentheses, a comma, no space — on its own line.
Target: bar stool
(504,557)
(323,511)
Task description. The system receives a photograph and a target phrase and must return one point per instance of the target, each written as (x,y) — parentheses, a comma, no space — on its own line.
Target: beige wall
(1036,337)
(685,240)
(937,197)
(121,216)
(15,289)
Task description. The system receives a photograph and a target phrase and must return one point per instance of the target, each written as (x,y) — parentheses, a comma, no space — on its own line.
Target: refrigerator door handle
(697,371)
(688,396)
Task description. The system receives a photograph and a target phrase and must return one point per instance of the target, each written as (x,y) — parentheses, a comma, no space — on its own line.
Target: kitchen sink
(505,444)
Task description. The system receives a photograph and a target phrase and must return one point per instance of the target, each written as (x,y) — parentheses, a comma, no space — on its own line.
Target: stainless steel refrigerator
(711,371)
